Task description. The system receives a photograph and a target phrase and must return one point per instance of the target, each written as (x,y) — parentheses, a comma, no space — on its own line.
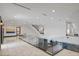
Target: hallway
(13,46)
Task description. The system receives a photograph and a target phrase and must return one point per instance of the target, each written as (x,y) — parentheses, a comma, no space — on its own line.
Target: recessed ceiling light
(53,11)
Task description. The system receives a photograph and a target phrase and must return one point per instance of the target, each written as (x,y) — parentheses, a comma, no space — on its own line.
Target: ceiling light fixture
(53,11)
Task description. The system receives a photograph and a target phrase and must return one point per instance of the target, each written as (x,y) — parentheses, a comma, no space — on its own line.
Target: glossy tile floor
(16,47)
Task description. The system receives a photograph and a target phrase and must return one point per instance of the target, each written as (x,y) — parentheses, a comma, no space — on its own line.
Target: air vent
(44,14)
(22,6)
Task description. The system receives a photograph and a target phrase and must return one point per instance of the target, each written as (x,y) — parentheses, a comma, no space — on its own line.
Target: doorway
(18,31)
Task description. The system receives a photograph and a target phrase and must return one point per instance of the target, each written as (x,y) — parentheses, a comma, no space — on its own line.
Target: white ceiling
(62,9)
(41,12)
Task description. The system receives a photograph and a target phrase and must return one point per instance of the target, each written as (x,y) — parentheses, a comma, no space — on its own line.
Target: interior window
(70,29)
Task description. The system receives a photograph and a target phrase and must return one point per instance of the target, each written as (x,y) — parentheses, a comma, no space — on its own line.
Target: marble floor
(15,47)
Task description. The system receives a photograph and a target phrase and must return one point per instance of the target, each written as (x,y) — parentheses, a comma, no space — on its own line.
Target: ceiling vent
(44,14)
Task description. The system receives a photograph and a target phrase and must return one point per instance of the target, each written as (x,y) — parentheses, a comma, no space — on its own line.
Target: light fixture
(1,23)
(53,11)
